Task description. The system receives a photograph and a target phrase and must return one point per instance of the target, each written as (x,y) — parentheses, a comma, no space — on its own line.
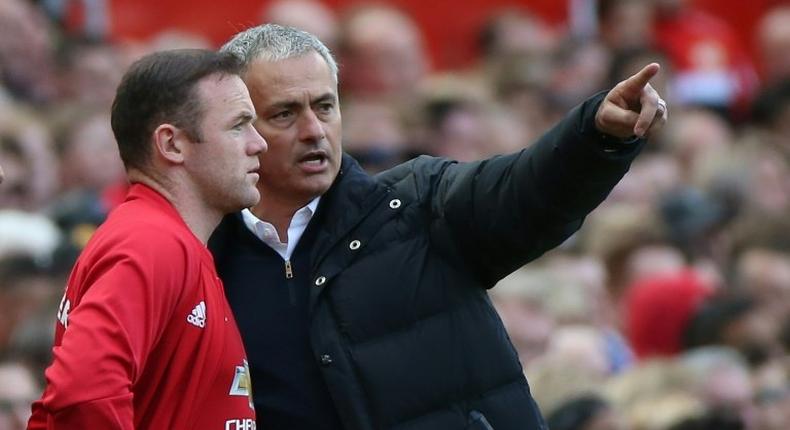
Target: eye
(325,108)
(282,115)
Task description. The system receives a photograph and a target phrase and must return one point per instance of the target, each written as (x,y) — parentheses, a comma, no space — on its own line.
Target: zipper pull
(289,272)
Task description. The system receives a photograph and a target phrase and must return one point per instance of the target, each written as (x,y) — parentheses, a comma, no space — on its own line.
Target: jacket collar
(353,194)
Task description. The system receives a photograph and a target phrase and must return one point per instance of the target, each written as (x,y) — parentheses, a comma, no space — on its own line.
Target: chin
(318,189)
(246,200)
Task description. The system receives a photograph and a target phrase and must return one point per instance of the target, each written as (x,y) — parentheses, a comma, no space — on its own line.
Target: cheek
(335,135)
(276,156)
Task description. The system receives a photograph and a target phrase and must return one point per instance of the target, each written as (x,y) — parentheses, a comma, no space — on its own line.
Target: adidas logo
(198,315)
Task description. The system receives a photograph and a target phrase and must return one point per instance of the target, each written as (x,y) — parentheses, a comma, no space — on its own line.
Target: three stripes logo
(198,315)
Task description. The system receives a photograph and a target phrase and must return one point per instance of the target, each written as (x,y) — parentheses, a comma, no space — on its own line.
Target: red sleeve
(127,296)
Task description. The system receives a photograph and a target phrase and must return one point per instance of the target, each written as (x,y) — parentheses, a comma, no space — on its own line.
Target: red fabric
(114,195)
(696,41)
(658,310)
(450,39)
(145,338)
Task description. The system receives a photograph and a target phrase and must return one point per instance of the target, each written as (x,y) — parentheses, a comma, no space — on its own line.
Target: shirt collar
(307,211)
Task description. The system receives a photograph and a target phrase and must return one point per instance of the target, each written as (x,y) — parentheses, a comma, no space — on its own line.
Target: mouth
(254,171)
(314,161)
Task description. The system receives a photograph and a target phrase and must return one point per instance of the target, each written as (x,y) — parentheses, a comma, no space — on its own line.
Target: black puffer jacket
(398,316)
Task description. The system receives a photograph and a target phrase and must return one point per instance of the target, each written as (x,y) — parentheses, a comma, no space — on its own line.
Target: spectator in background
(376,135)
(90,72)
(89,158)
(515,32)
(626,25)
(658,310)
(383,54)
(144,337)
(585,412)
(522,300)
(697,135)
(773,45)
(653,395)
(27,62)
(28,158)
(27,285)
(581,68)
(379,313)
(312,16)
(517,62)
(771,116)
(760,256)
(92,176)
(752,177)
(557,379)
(631,242)
(712,67)
(719,419)
(18,389)
(464,126)
(720,378)
(736,320)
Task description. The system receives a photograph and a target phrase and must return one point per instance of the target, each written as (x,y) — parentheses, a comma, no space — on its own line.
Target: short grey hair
(274,42)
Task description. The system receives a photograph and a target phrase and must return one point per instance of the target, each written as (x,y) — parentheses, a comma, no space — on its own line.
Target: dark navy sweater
(272,316)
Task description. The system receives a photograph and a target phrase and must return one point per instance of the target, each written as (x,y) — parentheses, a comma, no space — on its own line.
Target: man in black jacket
(362,300)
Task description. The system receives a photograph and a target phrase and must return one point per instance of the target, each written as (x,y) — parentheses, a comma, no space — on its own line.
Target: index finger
(640,79)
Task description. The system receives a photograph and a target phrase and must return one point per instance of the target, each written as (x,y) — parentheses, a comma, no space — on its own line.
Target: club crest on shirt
(242,385)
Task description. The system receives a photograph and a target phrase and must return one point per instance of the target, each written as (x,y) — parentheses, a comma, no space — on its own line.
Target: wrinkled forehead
(271,78)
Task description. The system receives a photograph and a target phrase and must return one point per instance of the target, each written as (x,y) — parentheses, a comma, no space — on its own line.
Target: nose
(257,144)
(311,129)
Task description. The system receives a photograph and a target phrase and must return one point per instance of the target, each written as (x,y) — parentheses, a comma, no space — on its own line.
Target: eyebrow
(290,104)
(245,116)
(325,97)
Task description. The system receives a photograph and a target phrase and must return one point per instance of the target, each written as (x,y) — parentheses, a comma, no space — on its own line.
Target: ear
(169,143)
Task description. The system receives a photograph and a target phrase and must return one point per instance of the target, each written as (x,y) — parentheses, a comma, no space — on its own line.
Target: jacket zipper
(289,272)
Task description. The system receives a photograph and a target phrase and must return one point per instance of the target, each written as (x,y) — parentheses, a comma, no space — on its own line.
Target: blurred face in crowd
(91,158)
(299,116)
(17,391)
(15,189)
(383,53)
(773,40)
(311,16)
(26,51)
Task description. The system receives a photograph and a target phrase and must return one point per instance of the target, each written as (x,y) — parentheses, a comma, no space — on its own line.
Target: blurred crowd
(668,310)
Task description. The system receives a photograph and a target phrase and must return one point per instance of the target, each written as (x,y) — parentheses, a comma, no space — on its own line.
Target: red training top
(145,338)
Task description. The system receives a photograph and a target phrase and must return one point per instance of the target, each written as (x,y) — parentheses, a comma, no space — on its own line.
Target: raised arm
(502,212)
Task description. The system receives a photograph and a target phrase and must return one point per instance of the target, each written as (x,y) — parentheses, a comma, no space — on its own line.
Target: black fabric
(401,328)
(271,312)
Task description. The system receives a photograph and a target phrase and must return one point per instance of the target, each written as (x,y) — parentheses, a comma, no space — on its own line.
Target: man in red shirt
(144,336)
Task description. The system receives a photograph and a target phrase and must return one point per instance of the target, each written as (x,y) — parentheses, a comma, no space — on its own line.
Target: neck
(278,211)
(199,217)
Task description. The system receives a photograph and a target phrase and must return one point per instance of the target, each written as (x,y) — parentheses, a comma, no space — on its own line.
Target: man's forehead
(225,86)
(308,66)
(289,80)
